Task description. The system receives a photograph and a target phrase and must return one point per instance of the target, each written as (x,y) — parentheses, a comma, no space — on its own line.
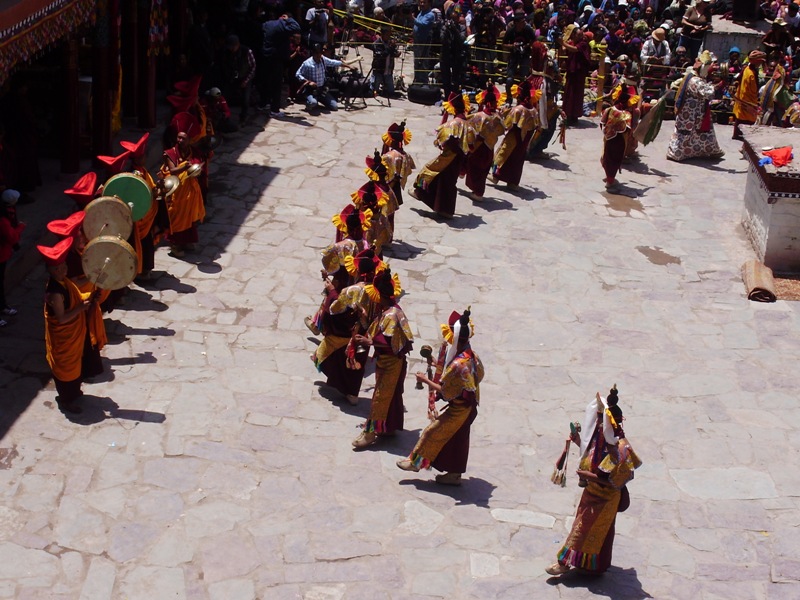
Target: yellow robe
(64,341)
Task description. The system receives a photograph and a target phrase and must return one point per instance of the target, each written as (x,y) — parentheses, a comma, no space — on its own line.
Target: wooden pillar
(101,83)
(146,89)
(131,59)
(70,143)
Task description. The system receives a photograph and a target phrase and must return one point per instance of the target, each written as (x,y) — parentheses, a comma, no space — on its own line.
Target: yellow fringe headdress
(364,263)
(449,327)
(456,104)
(525,89)
(369,195)
(385,285)
(397,135)
(633,101)
(491,95)
(364,217)
(375,166)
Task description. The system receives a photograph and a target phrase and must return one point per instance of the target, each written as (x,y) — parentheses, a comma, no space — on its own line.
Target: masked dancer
(349,312)
(606,467)
(390,335)
(520,123)
(444,445)
(694,135)
(436,182)
(488,127)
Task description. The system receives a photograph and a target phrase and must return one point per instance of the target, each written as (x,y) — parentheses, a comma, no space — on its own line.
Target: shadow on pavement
(96,409)
(490,204)
(473,490)
(166,281)
(23,368)
(400,250)
(616,583)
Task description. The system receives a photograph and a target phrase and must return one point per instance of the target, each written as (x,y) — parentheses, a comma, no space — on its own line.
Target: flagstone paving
(209,463)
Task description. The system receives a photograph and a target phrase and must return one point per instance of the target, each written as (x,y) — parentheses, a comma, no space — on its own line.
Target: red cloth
(780,156)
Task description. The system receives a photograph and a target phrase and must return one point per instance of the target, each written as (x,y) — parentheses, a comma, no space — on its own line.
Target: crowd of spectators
(262,44)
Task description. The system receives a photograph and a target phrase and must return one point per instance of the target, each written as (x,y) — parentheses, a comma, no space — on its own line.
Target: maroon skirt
(478,165)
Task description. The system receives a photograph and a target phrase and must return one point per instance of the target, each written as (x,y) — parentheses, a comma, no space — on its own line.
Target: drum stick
(100,274)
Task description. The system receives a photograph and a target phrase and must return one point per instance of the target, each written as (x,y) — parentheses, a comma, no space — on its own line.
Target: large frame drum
(133,191)
(109,262)
(107,216)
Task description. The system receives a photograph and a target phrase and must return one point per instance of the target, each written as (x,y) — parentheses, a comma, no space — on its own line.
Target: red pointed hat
(57,254)
(83,190)
(189,88)
(137,149)
(185,122)
(351,215)
(181,103)
(115,164)
(67,227)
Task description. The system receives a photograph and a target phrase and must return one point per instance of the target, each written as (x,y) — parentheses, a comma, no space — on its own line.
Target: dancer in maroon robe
(520,122)
(488,127)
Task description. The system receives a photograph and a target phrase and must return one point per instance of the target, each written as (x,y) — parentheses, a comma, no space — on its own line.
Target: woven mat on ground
(758,281)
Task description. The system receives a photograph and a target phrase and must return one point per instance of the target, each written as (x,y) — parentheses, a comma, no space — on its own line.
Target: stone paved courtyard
(209,463)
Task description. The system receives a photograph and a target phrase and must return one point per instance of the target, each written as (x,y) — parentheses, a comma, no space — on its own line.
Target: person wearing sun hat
(185,207)
(444,444)
(520,123)
(745,100)
(436,182)
(488,127)
(607,465)
(68,347)
(10,232)
(399,163)
(391,337)
(348,312)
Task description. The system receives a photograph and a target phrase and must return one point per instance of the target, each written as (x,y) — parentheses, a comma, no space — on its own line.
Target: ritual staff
(616,123)
(185,206)
(694,130)
(398,162)
(745,100)
(390,335)
(349,312)
(72,227)
(70,353)
(354,222)
(488,127)
(436,182)
(144,241)
(520,123)
(444,444)
(590,542)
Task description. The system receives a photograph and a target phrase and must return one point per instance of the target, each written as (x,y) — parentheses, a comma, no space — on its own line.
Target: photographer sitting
(311,75)
(517,41)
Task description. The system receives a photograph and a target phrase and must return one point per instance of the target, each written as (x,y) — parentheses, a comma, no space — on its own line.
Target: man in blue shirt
(311,75)
(423,35)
